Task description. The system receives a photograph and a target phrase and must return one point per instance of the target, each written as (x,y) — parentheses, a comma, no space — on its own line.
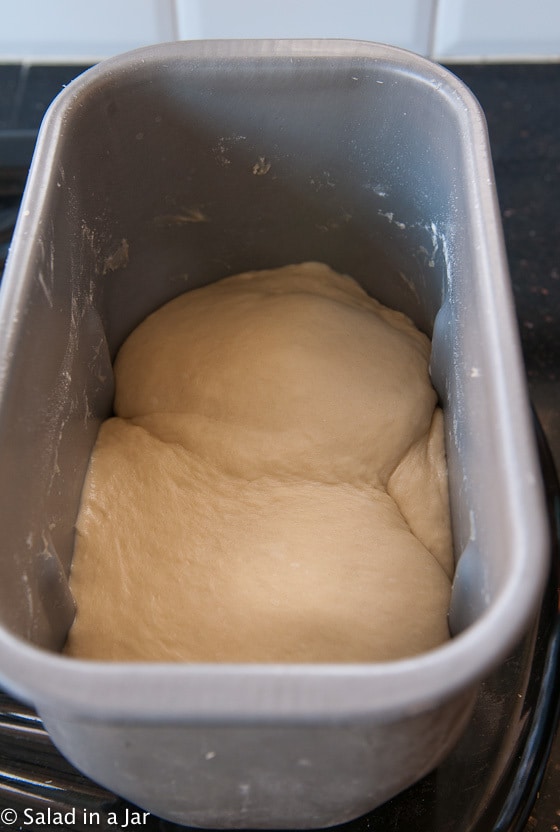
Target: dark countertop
(522,106)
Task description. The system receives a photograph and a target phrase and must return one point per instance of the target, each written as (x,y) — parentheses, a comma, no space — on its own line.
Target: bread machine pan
(167,168)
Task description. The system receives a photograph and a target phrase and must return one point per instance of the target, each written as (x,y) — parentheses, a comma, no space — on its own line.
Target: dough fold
(273,486)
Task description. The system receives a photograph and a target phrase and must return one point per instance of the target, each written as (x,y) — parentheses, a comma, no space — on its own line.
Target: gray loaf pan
(168,168)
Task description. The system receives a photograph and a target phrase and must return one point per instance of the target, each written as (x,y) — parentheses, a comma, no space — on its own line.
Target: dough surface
(273,487)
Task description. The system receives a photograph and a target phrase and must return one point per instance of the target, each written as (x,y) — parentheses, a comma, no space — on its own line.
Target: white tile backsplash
(68,30)
(404,23)
(497,30)
(470,30)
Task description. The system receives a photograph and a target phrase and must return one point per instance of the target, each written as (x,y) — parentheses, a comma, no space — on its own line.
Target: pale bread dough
(273,487)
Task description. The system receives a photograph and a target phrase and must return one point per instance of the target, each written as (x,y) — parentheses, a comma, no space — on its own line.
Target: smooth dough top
(273,486)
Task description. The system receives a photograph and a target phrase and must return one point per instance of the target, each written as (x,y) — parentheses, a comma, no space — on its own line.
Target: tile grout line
(432,30)
(174,18)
